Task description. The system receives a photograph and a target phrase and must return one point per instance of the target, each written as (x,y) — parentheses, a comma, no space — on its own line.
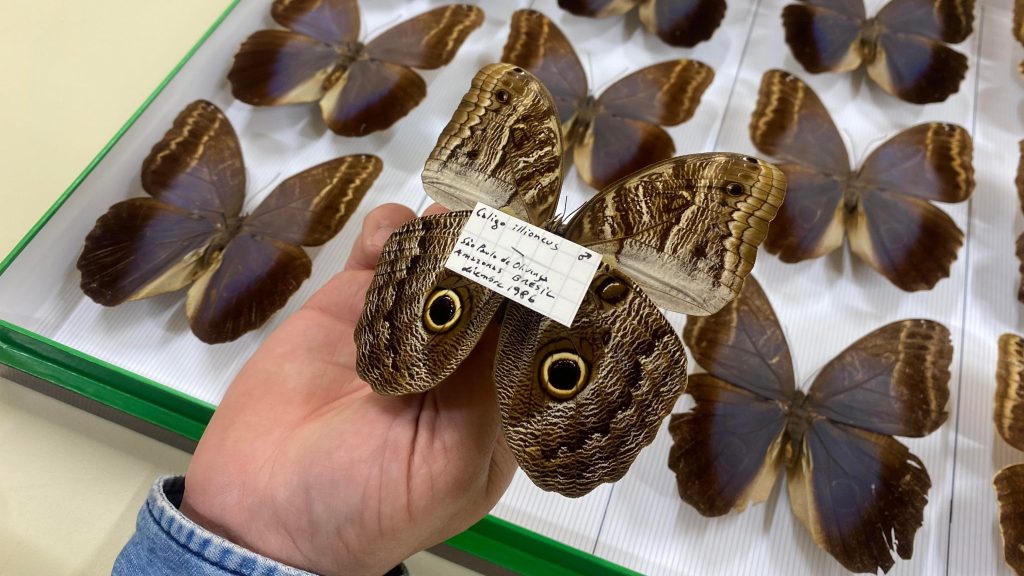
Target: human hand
(305,464)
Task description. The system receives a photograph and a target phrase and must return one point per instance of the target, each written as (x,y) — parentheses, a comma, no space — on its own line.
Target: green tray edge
(492,539)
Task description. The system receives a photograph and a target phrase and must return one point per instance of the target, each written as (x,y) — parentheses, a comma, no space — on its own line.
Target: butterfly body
(577,403)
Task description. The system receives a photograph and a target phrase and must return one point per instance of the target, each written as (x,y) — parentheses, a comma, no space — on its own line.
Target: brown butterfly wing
(946,20)
(613,147)
(198,164)
(683,23)
(810,221)
(916,69)
(726,451)
(281,67)
(861,495)
(1018,20)
(931,161)
(597,8)
(429,40)
(1020,239)
(329,21)
(578,404)
(405,343)
(143,247)
(893,381)
(1009,485)
(825,37)
(1008,411)
(536,44)
(311,207)
(244,286)
(371,95)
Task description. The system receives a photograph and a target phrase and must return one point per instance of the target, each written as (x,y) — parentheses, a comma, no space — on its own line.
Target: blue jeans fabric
(168,543)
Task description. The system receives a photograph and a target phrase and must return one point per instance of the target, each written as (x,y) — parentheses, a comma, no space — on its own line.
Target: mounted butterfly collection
(859,492)
(1008,414)
(361,87)
(577,404)
(884,208)
(903,47)
(684,23)
(620,131)
(190,232)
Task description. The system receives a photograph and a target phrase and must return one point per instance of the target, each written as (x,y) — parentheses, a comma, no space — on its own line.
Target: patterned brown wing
(861,495)
(502,147)
(198,164)
(143,247)
(931,161)
(893,381)
(686,229)
(329,21)
(311,207)
(904,238)
(536,44)
(597,8)
(371,95)
(1008,411)
(683,23)
(825,38)
(281,67)
(810,222)
(1009,484)
(429,40)
(791,124)
(420,320)
(578,404)
(246,283)
(727,450)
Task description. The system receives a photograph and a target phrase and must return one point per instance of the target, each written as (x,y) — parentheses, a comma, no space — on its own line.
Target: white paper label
(524,263)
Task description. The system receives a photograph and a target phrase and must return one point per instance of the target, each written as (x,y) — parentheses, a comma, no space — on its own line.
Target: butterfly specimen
(857,490)
(577,404)
(1018,26)
(1009,419)
(903,46)
(190,232)
(620,131)
(884,207)
(1020,239)
(361,88)
(677,22)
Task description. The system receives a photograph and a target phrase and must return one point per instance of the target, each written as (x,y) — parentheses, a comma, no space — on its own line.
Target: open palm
(305,464)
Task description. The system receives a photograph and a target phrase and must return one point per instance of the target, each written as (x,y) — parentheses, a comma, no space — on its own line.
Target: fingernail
(381,236)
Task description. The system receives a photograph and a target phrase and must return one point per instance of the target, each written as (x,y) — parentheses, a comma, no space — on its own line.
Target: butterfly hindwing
(420,320)
(917,69)
(686,229)
(503,147)
(567,411)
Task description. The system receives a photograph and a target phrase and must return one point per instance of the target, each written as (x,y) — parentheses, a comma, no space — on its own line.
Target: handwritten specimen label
(528,265)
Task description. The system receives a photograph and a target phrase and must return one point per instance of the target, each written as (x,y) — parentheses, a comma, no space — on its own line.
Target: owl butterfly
(902,46)
(884,207)
(190,232)
(1009,419)
(577,404)
(677,22)
(856,489)
(1020,239)
(620,131)
(361,87)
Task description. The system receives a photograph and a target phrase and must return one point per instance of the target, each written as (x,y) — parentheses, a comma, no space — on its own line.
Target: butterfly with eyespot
(857,490)
(361,87)
(884,208)
(620,131)
(903,46)
(1008,414)
(683,23)
(577,404)
(190,232)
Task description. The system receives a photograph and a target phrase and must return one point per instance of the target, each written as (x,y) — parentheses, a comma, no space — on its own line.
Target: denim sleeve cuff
(168,543)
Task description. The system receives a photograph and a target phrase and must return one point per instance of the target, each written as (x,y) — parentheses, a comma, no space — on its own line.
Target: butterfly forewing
(1008,410)
(329,21)
(579,403)
(198,165)
(947,20)
(683,23)
(429,40)
(281,67)
(861,495)
(503,147)
(420,321)
(727,450)
(1009,485)
(893,381)
(686,229)
(536,44)
(931,161)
